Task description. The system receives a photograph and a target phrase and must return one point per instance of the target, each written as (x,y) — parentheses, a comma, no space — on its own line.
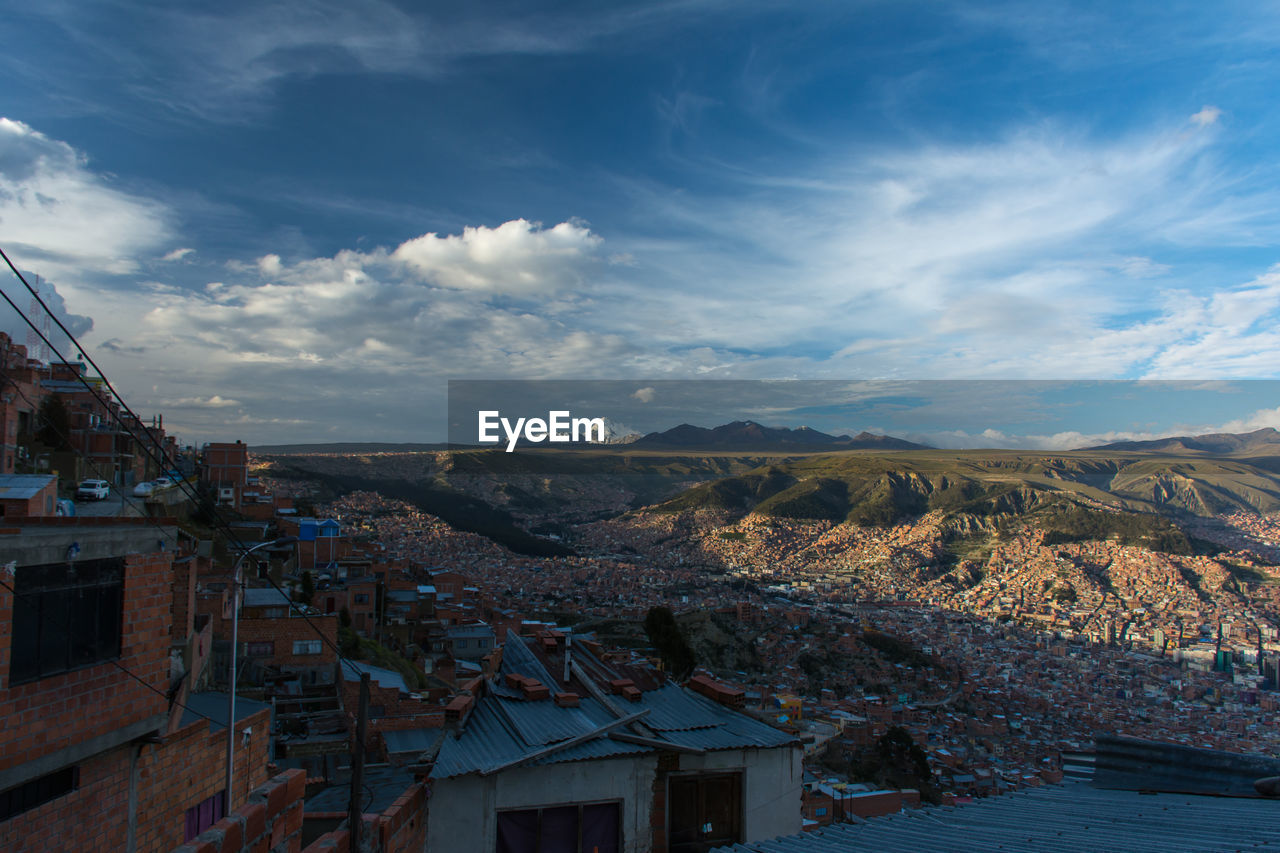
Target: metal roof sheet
(264,596)
(382,787)
(1070,818)
(517,658)
(351,670)
(411,740)
(20,487)
(214,706)
(490,740)
(672,708)
(506,727)
(543,722)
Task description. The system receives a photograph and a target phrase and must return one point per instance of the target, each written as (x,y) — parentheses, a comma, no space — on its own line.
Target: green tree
(54,421)
(308,588)
(665,635)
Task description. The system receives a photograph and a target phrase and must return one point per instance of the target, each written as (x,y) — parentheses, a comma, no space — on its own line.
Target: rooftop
(508,728)
(1069,818)
(17,487)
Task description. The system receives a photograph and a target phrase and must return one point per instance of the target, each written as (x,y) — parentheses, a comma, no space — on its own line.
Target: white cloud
(64,220)
(645,395)
(1261,419)
(213,402)
(177,254)
(1139,267)
(1208,115)
(269,265)
(517,257)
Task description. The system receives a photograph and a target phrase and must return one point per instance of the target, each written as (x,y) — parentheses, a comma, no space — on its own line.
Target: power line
(117,663)
(228,531)
(95,466)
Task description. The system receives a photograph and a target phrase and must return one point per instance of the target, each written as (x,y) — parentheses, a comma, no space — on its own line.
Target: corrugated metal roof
(264,596)
(214,706)
(411,740)
(1070,818)
(490,740)
(518,659)
(21,487)
(674,709)
(506,727)
(382,787)
(543,722)
(351,670)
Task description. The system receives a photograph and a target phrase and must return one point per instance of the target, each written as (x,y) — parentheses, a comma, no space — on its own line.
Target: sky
(297,221)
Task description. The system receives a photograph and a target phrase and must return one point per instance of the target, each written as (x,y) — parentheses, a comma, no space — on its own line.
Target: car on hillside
(93,490)
(145,489)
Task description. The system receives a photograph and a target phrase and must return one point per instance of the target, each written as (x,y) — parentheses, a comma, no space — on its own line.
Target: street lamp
(231,672)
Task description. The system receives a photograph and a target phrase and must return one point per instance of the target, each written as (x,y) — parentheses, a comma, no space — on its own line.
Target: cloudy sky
(297,221)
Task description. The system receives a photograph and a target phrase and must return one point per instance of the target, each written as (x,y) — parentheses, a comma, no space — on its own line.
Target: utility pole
(355,811)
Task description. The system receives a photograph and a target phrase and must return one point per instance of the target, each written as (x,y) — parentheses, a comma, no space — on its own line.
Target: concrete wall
(463,811)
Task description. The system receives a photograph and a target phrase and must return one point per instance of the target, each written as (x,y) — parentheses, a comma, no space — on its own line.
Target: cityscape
(659,426)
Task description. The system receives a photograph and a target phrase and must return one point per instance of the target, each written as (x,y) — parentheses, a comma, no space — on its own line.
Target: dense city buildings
(811,673)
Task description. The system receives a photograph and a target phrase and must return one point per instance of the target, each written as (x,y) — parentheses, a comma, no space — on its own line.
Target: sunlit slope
(878,490)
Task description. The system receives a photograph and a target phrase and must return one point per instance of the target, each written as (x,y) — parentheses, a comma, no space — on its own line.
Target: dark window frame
(66,616)
(260,649)
(36,792)
(539,810)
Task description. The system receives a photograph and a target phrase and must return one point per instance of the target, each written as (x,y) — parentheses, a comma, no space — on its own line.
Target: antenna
(39,317)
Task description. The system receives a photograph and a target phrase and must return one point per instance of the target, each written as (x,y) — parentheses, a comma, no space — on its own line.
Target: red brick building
(224,468)
(92,755)
(27,496)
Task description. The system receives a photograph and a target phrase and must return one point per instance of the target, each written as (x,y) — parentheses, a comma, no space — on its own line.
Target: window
(69,616)
(37,792)
(821,811)
(204,815)
(706,811)
(261,649)
(587,828)
(362,598)
(306,647)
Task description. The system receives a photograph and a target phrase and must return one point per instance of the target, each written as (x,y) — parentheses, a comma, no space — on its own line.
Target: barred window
(67,616)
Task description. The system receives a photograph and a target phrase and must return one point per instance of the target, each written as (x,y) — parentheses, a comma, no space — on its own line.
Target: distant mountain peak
(1265,440)
(753,436)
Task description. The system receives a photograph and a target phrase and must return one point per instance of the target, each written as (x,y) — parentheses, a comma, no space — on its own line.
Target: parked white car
(93,490)
(144,489)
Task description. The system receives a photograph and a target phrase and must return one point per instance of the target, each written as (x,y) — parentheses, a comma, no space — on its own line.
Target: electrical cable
(142,513)
(228,532)
(117,663)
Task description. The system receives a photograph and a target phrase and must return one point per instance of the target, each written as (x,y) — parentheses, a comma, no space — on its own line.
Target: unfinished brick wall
(191,767)
(283,632)
(92,819)
(270,822)
(400,829)
(58,711)
(167,779)
(403,827)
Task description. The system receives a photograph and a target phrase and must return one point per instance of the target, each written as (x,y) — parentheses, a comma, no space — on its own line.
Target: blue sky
(297,221)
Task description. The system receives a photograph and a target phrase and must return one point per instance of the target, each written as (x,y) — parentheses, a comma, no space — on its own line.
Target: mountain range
(1265,441)
(751,437)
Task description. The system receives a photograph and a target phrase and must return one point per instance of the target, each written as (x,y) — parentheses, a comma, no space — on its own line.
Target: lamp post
(231,672)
